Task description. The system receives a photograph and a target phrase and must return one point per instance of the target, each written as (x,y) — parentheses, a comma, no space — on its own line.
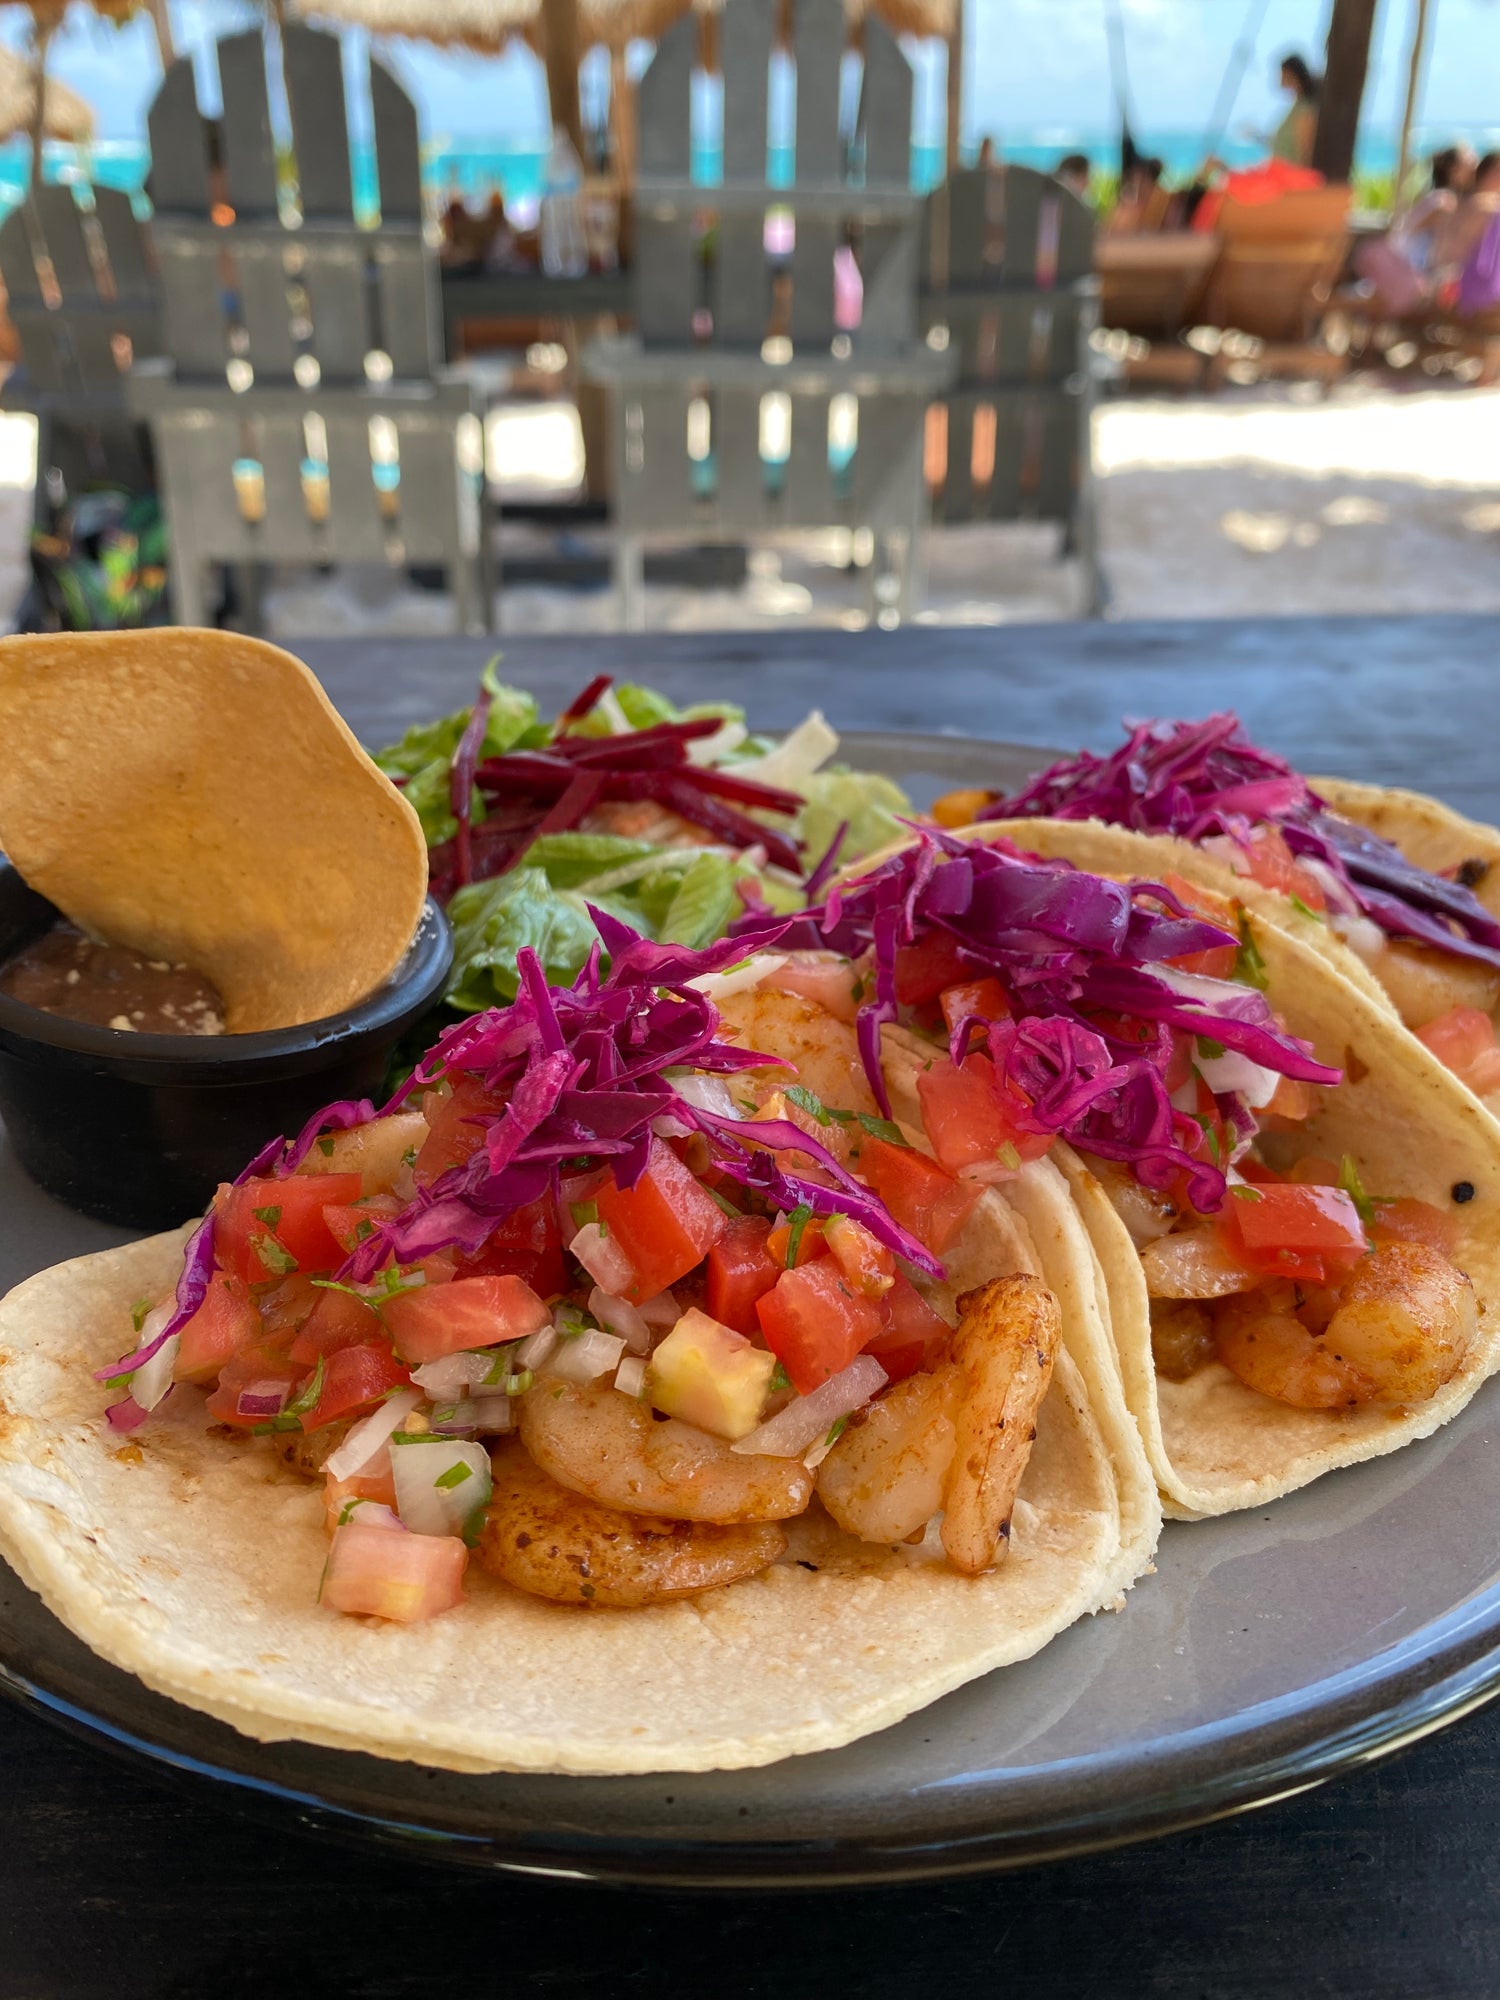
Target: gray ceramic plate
(1269,1651)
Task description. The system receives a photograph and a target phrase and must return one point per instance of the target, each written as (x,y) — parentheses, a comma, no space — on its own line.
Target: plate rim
(1370,1709)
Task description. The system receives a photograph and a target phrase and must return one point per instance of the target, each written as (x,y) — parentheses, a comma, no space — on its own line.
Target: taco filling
(1030,1003)
(1425,936)
(593,1301)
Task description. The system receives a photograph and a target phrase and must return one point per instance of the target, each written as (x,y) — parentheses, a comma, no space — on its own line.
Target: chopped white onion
(1228,851)
(630,1376)
(534,1351)
(1232,1071)
(667,1127)
(370,1436)
(706,1093)
(661,1313)
(369,1514)
(796,756)
(808,1418)
(1340,897)
(744,978)
(814,1458)
(153,1378)
(619,1316)
(439,1483)
(709,749)
(490,1414)
(1359,933)
(453,1376)
(586,1357)
(603,1259)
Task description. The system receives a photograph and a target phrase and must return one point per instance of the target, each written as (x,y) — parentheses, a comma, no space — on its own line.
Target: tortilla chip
(192,1560)
(196,795)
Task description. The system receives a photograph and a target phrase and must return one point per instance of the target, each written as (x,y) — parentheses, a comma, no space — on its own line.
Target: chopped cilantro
(805,1100)
(715,1194)
(798,1220)
(1008,1156)
(836,1430)
(454,1476)
(364,1229)
(325,1147)
(138,1313)
(499,1370)
(1249,966)
(1209,1049)
(1354,1187)
(273,1255)
(271,1217)
(333,1285)
(583,1213)
(857,990)
(409,1157)
(1242,1191)
(780,1380)
(884,1128)
(306,1398)
(1303,909)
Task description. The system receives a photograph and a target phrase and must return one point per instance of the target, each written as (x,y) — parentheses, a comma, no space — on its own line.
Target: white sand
(1379,498)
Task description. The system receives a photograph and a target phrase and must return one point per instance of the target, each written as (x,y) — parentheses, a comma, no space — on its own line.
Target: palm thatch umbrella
(46,19)
(64,113)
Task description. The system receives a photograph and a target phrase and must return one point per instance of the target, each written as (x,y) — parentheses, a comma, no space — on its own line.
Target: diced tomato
(665,1225)
(969,1124)
(929,1203)
(529,1245)
(1463,1040)
(1180,1067)
(863,1258)
(1292,1100)
(914,1335)
(376,1152)
(257,1362)
(835,1137)
(225,1320)
(353,1378)
(814,1324)
(923,969)
(269,1229)
(1290,1228)
(984,997)
(1218,961)
(349,1223)
(810,1244)
(386,1572)
(435,1320)
(377,1486)
(337,1320)
(1411,1221)
(741,1270)
(453,1133)
(1272,864)
(1258,1174)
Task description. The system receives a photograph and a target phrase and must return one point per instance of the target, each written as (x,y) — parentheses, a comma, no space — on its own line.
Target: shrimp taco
(1295,1208)
(1400,895)
(586,1409)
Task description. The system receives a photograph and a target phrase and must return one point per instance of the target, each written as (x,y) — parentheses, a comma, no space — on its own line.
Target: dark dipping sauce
(110,986)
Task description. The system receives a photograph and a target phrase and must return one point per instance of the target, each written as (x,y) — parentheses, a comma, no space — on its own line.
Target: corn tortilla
(192,1560)
(195,795)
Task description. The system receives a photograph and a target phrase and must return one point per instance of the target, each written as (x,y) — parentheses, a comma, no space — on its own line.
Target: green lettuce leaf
(702,904)
(866,800)
(492,920)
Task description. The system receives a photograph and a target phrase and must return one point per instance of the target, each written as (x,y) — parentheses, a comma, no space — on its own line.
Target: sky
(1036,68)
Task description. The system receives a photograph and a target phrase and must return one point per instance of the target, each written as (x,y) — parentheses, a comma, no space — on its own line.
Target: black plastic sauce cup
(140,1129)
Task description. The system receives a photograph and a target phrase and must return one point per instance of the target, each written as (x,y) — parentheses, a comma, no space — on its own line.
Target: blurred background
(401,315)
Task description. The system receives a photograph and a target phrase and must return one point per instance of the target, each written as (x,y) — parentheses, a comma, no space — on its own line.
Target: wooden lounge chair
(301,414)
(83,304)
(1151,287)
(1278,263)
(740,407)
(1007,256)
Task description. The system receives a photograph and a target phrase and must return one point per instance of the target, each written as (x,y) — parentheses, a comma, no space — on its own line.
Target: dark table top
(115,1882)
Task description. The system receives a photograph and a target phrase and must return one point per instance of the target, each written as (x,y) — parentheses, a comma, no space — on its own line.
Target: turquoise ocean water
(473,168)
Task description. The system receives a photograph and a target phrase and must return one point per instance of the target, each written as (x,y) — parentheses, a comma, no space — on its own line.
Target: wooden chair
(1278,263)
(83,303)
(302,415)
(1151,285)
(741,407)
(1007,259)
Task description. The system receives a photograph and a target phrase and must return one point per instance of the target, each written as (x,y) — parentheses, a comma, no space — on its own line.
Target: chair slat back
(745,37)
(313,65)
(664,104)
(79,287)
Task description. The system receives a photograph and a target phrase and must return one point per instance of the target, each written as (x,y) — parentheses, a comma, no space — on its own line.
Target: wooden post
(622,119)
(161,22)
(562,50)
(955,82)
(1347,61)
(1409,114)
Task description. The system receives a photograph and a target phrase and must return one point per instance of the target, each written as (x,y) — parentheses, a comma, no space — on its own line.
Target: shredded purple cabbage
(1086,1051)
(1198,779)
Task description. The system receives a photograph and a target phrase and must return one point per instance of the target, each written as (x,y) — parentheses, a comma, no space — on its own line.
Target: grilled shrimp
(540,1538)
(643,819)
(1399,1331)
(958,1438)
(611,1448)
(809,1041)
(1424,983)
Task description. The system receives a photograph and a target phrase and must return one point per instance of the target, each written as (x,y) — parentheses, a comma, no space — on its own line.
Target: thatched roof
(67,116)
(490,24)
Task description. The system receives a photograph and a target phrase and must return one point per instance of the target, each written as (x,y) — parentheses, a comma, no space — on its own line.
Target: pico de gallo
(567,1212)
(1130,1019)
(1427,938)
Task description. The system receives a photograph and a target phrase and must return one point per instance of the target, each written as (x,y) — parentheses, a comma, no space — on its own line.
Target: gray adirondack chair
(733,414)
(1007,260)
(83,303)
(302,415)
